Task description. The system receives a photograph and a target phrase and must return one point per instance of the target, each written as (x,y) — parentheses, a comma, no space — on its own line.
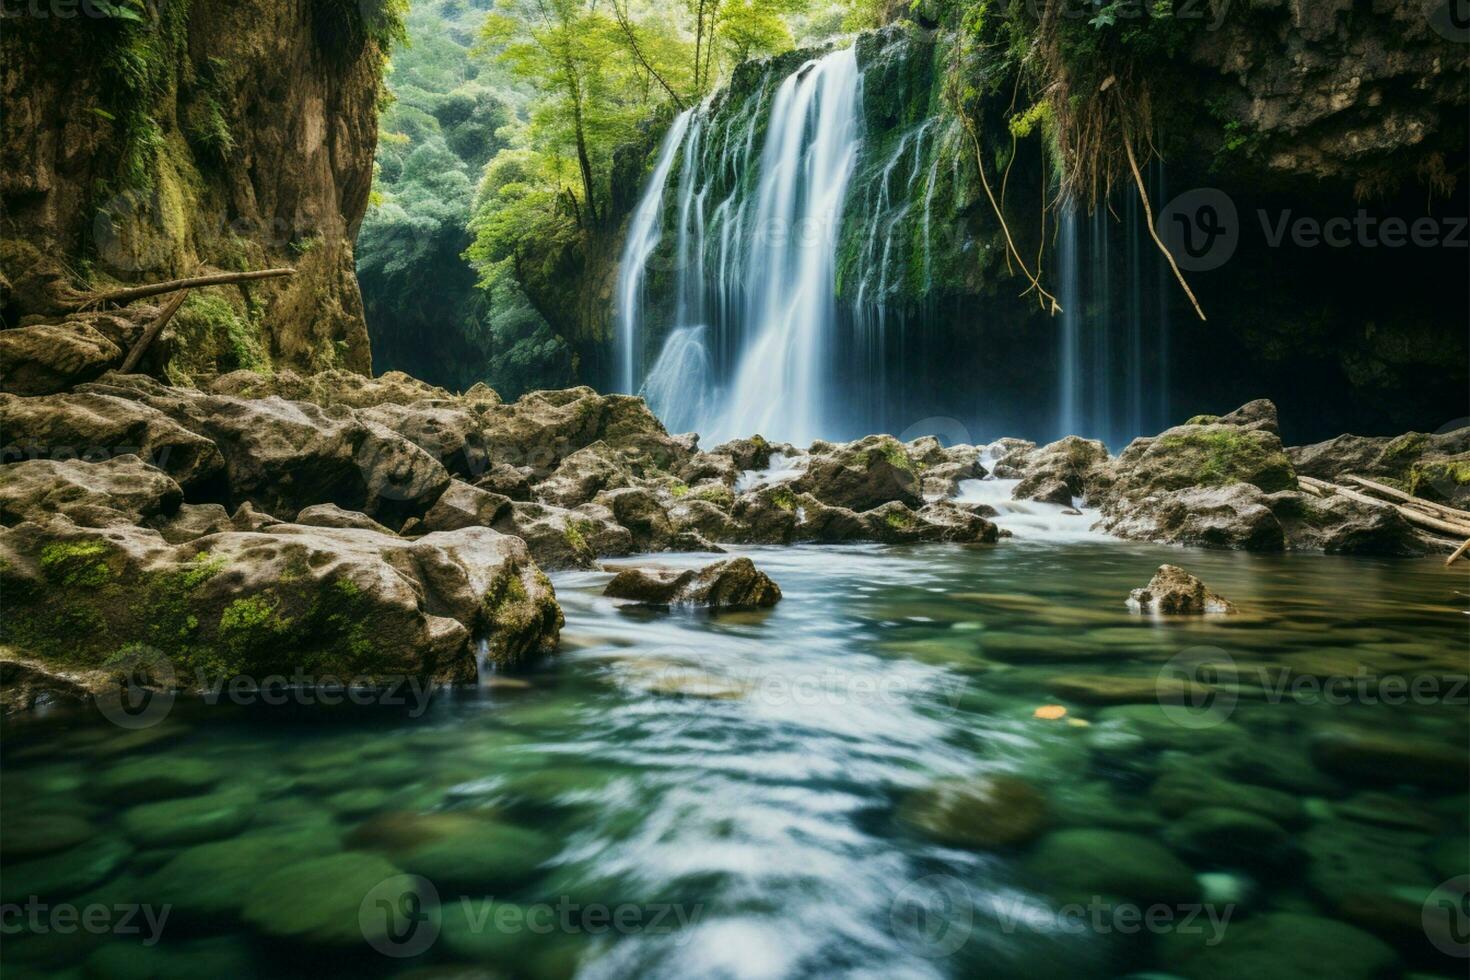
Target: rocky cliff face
(149,141)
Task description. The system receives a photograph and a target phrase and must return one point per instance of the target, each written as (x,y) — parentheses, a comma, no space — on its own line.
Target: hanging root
(1045,299)
(1148,215)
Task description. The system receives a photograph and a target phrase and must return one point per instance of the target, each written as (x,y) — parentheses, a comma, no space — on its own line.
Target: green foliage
(212,336)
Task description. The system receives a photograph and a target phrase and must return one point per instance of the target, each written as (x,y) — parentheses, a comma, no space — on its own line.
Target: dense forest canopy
(497,155)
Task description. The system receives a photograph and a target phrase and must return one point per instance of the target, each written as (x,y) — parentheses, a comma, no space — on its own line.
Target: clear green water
(682,796)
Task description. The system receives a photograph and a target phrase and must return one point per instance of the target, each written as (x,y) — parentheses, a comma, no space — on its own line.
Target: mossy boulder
(561,538)
(1238,516)
(344,603)
(862,475)
(1212,455)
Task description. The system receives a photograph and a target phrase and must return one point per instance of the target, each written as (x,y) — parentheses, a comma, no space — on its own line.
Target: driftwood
(154,329)
(132,293)
(1458,552)
(1416,517)
(1453,514)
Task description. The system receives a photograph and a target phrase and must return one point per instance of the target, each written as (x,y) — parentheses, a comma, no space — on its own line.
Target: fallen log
(1416,517)
(1442,511)
(154,329)
(132,293)
(1458,552)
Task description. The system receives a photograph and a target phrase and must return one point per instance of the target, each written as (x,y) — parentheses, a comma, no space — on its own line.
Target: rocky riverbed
(364,530)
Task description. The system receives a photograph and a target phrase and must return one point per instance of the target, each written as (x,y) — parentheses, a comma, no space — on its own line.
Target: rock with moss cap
(862,475)
(1241,447)
(339,602)
(1278,946)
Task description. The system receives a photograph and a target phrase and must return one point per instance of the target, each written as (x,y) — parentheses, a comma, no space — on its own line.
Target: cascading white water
(811,148)
(644,231)
(1068,295)
(680,387)
(757,269)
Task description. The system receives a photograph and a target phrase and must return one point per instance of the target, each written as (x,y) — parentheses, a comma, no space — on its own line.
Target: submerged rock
(319,900)
(1172,590)
(985,811)
(731,584)
(1278,946)
(1111,862)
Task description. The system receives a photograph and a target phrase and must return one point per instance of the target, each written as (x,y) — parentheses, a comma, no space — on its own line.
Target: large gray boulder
(561,538)
(100,426)
(120,489)
(1237,516)
(583,475)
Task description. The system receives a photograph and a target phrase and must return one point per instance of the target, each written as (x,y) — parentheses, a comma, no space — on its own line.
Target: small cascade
(484,666)
(1027,520)
(644,231)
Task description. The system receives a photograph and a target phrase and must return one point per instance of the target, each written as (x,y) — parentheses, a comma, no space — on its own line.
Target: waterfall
(644,231)
(811,147)
(1069,296)
(756,271)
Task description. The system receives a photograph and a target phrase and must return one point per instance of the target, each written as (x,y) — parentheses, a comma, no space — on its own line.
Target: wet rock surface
(732,584)
(1173,591)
